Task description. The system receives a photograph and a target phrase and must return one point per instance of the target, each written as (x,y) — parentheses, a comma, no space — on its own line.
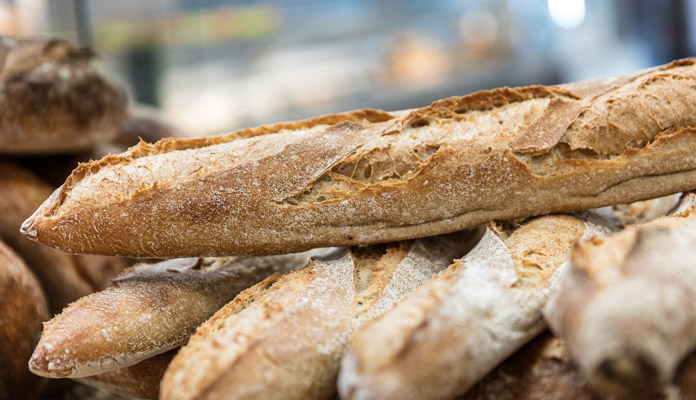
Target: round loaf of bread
(22,308)
(53,98)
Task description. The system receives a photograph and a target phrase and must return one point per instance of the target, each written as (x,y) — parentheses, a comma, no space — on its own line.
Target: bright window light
(567,14)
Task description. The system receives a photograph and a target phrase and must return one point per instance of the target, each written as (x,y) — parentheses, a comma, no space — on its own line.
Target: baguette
(370,176)
(141,380)
(53,98)
(149,309)
(543,370)
(444,337)
(284,338)
(22,308)
(65,278)
(625,309)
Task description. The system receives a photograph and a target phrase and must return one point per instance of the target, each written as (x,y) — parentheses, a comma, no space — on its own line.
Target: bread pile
(56,108)
(432,249)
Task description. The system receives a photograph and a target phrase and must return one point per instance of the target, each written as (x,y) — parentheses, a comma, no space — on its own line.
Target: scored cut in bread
(370,176)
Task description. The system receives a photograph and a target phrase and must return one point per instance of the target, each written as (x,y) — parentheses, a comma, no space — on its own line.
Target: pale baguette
(371,176)
(141,380)
(148,310)
(53,98)
(442,338)
(22,309)
(65,278)
(625,308)
(284,338)
(544,370)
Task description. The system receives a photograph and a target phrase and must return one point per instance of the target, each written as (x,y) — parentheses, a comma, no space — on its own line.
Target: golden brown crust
(284,337)
(22,309)
(53,98)
(370,176)
(621,307)
(446,335)
(141,380)
(149,309)
(65,278)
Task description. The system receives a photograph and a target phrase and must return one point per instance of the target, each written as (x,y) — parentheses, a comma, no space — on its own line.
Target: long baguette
(625,308)
(544,370)
(370,176)
(22,309)
(442,338)
(65,278)
(284,338)
(53,98)
(141,380)
(148,310)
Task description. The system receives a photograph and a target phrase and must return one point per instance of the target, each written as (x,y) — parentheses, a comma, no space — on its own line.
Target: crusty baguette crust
(149,309)
(284,338)
(442,338)
(53,98)
(370,176)
(65,278)
(22,309)
(141,380)
(625,304)
(543,370)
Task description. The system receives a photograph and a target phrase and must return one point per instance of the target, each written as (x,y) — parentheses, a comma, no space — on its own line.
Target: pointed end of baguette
(43,362)
(33,225)
(28,227)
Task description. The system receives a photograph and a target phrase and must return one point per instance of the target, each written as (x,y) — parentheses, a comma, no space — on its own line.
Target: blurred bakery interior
(213,66)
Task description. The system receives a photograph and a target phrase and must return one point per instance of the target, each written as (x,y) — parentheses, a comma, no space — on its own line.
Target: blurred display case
(214,66)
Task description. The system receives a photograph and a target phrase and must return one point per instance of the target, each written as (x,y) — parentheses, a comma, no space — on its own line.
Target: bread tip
(28,227)
(38,365)
(44,362)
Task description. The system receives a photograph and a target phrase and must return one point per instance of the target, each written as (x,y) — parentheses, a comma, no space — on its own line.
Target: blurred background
(213,66)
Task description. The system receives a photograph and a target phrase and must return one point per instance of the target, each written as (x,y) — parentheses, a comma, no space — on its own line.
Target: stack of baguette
(420,254)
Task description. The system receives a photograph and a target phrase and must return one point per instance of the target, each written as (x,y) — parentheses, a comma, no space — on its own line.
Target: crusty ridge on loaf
(370,176)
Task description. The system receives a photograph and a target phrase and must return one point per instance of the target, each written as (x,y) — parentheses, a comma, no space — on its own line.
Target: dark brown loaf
(22,309)
(65,278)
(53,98)
(542,370)
(371,176)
